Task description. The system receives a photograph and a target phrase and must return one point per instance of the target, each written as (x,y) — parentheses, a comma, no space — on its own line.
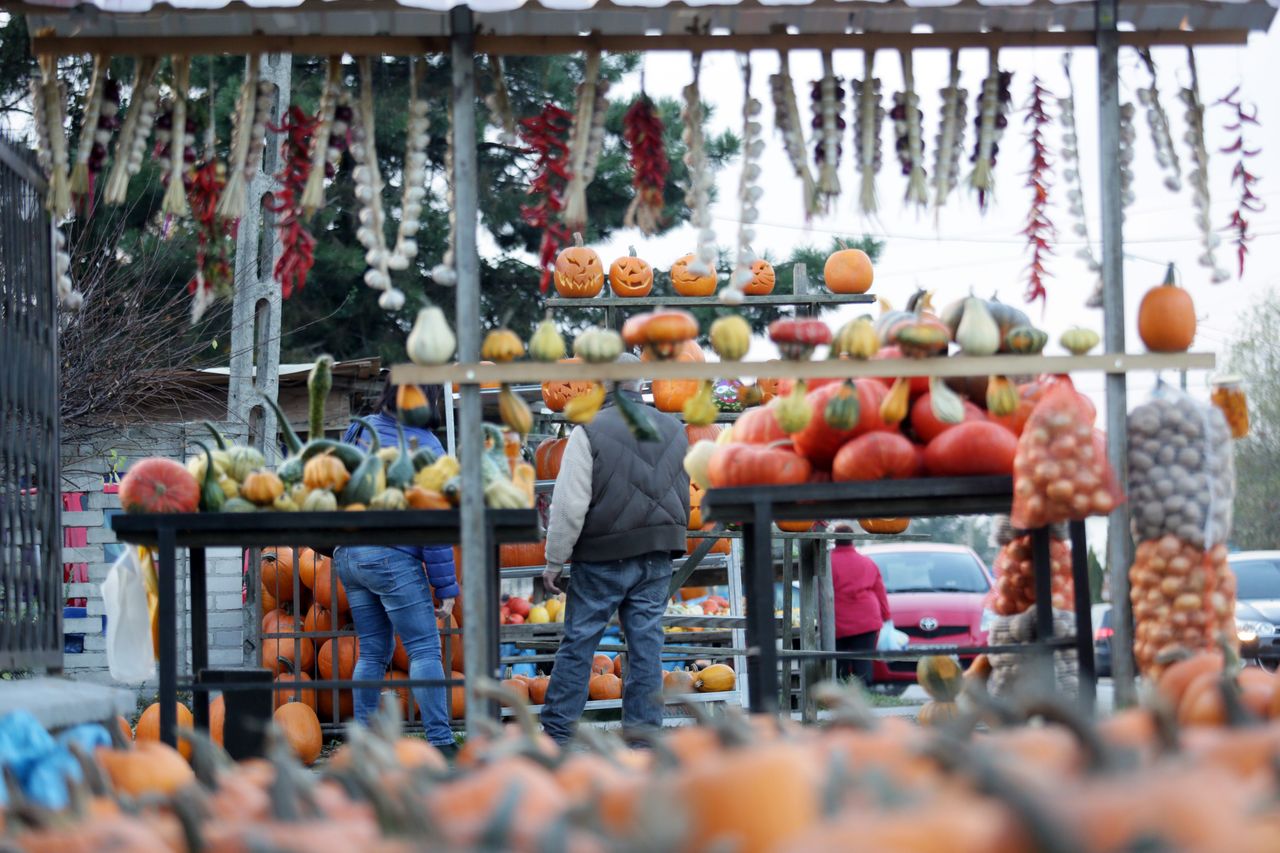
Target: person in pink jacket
(861,604)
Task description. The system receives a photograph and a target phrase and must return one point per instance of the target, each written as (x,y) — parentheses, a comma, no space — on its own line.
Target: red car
(936,596)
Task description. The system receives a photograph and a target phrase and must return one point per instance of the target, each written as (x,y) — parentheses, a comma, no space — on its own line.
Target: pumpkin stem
(577,239)
(375,444)
(218,437)
(1169,279)
(631,251)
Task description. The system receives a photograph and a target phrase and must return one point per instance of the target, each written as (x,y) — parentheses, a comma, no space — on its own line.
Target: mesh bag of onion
(1060,470)
(1182,479)
(1015,577)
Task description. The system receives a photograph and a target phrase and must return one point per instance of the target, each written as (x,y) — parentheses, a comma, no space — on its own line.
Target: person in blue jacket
(389,592)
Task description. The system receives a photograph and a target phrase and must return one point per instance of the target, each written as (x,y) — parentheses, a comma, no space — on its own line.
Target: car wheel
(1268,664)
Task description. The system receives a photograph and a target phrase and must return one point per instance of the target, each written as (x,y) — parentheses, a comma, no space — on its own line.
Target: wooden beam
(711,301)
(997,365)
(527,45)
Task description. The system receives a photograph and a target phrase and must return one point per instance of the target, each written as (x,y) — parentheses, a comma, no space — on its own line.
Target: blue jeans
(389,595)
(637,589)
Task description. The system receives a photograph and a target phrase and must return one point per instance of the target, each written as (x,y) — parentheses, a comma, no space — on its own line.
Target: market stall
(922,336)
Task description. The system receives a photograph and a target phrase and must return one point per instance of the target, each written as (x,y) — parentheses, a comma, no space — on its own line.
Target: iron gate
(30,523)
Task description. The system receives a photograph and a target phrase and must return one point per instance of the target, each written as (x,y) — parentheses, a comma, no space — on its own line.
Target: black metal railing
(30,534)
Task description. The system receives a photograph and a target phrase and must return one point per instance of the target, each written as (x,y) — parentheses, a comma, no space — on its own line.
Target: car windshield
(930,571)
(1257,579)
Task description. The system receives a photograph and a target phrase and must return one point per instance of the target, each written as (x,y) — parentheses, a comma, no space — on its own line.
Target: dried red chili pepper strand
(298,246)
(212,234)
(1039,230)
(642,130)
(1248,202)
(543,137)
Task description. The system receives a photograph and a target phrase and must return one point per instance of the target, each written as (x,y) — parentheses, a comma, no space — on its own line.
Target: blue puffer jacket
(438,558)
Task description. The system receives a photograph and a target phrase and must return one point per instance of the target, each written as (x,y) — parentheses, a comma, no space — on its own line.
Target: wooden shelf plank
(713,301)
(996,365)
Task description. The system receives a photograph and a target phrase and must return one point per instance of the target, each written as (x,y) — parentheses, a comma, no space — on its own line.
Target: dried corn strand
(368,188)
(950,139)
(445,273)
(827,98)
(131,144)
(175,194)
(1071,177)
(1039,230)
(1128,136)
(787,121)
(698,194)
(1242,118)
(642,130)
(414,190)
(1198,177)
(909,135)
(587,122)
(749,192)
(868,117)
(231,204)
(990,122)
(68,297)
(54,138)
(1158,123)
(499,101)
(89,126)
(321,141)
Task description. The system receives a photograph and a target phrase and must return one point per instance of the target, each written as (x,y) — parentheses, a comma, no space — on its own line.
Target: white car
(1258,604)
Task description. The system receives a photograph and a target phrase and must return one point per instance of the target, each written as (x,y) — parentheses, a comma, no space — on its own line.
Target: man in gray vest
(619,512)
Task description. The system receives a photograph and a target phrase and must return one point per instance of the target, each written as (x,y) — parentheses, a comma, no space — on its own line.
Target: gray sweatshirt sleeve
(570,500)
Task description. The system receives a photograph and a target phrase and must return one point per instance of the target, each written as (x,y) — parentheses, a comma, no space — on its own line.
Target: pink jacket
(860,601)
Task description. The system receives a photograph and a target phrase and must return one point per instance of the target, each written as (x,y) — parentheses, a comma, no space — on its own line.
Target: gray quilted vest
(639,489)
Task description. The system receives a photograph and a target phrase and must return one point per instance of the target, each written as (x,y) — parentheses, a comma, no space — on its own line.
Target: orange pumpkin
(579,273)
(699,433)
(884,526)
(547,456)
(326,584)
(556,393)
(347,651)
(318,619)
(149,768)
(326,471)
(301,728)
(306,697)
(291,654)
(420,498)
(669,395)
(1167,317)
(328,708)
(217,718)
(519,690)
(762,279)
(662,333)
(795,526)
(722,546)
(276,566)
(308,561)
(538,689)
(518,554)
(848,271)
(688,283)
(605,685)
(148,728)
(630,275)
(601,663)
(678,681)
(457,697)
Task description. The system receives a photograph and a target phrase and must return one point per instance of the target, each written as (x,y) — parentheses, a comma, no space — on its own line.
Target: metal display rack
(758,506)
(197,531)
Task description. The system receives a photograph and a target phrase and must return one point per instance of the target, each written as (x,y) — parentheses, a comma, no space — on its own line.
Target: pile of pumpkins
(979,779)
(323,475)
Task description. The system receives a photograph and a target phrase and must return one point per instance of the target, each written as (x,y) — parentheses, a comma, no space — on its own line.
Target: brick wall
(87,561)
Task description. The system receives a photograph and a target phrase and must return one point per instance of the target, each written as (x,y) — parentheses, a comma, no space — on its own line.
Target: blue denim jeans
(636,588)
(389,595)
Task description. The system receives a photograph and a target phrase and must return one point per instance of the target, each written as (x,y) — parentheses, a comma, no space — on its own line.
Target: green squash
(1025,340)
(238,505)
(389,498)
(400,472)
(243,461)
(636,418)
(289,470)
(843,410)
(424,456)
(212,498)
(319,500)
(319,383)
(369,478)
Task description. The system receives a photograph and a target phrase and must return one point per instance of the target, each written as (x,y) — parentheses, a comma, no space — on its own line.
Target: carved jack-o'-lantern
(689,283)
(630,275)
(762,279)
(579,273)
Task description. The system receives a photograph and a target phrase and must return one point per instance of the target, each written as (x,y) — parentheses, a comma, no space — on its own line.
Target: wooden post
(477,617)
(1119,545)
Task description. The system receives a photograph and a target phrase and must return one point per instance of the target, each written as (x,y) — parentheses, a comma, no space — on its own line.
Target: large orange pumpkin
(927,427)
(884,526)
(159,485)
(217,718)
(795,526)
(547,456)
(326,583)
(148,728)
(276,565)
(301,728)
(306,697)
(1167,317)
(700,433)
(290,654)
(848,271)
(518,554)
(757,465)
(309,562)
(688,283)
(762,279)
(556,393)
(971,449)
(347,650)
(876,456)
(149,768)
(345,705)
(758,426)
(818,442)
(457,697)
(669,395)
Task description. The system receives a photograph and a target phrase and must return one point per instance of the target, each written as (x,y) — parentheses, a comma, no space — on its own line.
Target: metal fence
(30,525)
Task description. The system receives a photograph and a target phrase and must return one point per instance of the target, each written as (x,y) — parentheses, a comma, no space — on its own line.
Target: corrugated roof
(418,18)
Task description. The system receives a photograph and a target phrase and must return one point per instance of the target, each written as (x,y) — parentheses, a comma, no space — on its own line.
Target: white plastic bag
(890,639)
(130,655)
